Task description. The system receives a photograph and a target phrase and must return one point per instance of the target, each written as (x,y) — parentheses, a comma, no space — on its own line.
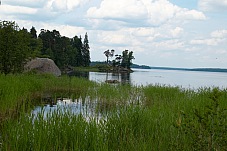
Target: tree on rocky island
(124,60)
(109,54)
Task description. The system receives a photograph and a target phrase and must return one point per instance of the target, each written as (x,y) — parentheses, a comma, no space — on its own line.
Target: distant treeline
(140,66)
(95,63)
(165,68)
(193,69)
(18,45)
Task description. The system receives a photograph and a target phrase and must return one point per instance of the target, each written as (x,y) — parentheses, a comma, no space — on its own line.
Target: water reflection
(81,74)
(123,78)
(184,79)
(85,107)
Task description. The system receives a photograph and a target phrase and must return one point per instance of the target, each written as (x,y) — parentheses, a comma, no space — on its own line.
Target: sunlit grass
(133,117)
(17,90)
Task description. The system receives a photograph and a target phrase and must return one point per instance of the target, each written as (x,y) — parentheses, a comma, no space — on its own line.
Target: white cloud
(219,34)
(209,42)
(68,31)
(154,12)
(66,5)
(38,9)
(25,3)
(216,38)
(8,9)
(160,11)
(143,32)
(176,32)
(119,38)
(150,28)
(143,38)
(59,5)
(118,9)
(213,5)
(65,30)
(190,15)
(162,32)
(169,45)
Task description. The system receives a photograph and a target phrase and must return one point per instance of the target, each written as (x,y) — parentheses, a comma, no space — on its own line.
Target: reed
(16,91)
(132,117)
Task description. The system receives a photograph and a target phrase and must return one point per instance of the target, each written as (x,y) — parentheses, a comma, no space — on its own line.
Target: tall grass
(133,118)
(18,91)
(127,129)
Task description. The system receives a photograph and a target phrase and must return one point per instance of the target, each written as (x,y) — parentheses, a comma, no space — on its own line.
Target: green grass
(16,91)
(133,118)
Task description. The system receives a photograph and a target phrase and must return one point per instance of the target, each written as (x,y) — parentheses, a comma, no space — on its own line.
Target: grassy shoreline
(138,118)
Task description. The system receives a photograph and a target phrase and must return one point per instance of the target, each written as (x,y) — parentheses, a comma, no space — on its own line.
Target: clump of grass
(131,128)
(204,129)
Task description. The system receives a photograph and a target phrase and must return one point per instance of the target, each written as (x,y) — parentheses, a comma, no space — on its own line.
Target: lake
(184,79)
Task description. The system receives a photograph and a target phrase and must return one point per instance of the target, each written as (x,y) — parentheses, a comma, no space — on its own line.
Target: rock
(43,65)
(121,70)
(112,81)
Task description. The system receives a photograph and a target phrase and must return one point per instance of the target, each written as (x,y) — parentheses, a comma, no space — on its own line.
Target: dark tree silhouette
(108,54)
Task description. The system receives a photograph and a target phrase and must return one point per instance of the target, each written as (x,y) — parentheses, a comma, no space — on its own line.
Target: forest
(19,45)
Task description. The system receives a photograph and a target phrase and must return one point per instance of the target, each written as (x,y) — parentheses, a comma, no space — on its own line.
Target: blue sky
(190,4)
(172,33)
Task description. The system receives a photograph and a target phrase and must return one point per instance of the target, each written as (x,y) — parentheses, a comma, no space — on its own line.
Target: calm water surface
(184,79)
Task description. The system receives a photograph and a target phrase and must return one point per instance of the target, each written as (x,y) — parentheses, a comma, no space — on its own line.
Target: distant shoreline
(193,69)
(183,69)
(136,66)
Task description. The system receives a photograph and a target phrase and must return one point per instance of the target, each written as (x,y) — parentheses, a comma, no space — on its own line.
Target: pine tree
(77,47)
(86,51)
(35,43)
(33,32)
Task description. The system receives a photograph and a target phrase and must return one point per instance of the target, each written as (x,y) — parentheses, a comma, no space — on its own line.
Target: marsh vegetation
(124,117)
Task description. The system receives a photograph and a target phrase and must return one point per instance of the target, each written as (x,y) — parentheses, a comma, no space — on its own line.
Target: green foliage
(35,44)
(65,51)
(125,117)
(18,45)
(124,60)
(205,129)
(14,47)
(108,54)
(86,52)
(33,33)
(76,43)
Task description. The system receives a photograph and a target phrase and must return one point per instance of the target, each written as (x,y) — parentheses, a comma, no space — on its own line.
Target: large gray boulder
(43,65)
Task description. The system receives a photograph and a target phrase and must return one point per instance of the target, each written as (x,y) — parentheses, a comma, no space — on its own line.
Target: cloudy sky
(170,33)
